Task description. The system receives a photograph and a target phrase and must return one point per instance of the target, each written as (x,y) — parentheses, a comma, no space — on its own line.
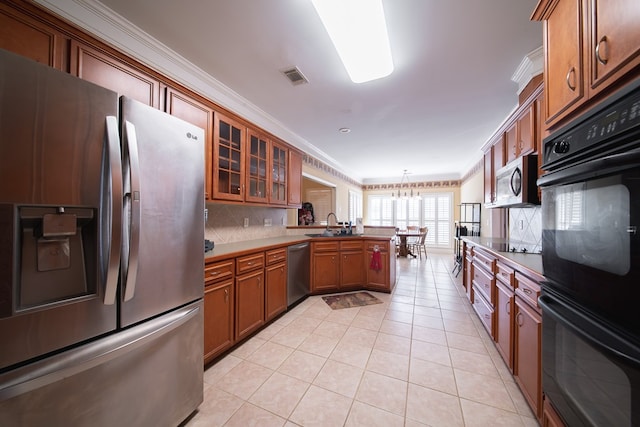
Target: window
(432,210)
(355,206)
(437,216)
(380,210)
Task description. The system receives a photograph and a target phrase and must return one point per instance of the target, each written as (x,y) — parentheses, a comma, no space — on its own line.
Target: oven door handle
(592,169)
(591,331)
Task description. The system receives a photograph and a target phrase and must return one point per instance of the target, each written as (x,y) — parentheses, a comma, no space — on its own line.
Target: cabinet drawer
(276,255)
(527,289)
(484,259)
(505,274)
(351,245)
(484,283)
(250,262)
(484,310)
(383,246)
(218,271)
(326,246)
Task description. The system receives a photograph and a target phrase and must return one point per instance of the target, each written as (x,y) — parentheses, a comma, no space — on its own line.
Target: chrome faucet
(328,230)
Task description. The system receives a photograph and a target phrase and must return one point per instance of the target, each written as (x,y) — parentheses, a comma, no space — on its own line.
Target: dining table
(404,249)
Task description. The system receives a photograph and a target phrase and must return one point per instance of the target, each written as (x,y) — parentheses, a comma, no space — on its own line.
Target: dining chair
(412,240)
(420,246)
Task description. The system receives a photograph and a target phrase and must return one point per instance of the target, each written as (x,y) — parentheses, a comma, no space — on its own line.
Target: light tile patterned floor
(421,358)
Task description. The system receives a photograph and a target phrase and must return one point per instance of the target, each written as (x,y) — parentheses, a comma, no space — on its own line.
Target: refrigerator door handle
(114,206)
(132,210)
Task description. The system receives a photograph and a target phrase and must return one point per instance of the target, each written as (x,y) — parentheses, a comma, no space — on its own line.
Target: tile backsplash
(225,223)
(525,228)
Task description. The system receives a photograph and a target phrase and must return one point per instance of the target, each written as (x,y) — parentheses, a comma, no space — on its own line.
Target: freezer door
(60,209)
(149,375)
(163,174)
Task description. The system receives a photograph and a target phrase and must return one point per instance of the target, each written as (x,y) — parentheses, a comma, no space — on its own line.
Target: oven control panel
(609,127)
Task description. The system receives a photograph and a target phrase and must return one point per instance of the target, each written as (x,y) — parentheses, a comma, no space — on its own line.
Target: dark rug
(356,299)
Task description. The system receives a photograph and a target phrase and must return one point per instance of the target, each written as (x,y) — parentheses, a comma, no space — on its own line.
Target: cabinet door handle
(508,307)
(601,42)
(571,72)
(527,291)
(226,295)
(520,319)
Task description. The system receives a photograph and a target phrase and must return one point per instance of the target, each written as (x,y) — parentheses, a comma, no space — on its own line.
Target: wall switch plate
(521,224)
(267,222)
(246,223)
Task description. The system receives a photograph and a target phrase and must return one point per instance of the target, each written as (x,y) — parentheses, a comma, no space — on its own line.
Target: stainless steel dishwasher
(298,275)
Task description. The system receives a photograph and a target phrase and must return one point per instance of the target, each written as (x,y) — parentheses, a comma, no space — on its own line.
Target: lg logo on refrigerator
(192,136)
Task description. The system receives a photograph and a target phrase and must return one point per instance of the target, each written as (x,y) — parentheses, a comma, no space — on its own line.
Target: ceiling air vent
(295,76)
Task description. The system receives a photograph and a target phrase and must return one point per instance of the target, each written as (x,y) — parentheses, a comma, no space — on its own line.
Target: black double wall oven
(591,258)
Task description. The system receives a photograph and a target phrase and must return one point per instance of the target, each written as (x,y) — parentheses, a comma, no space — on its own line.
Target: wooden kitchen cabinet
(527,366)
(294,187)
(467,272)
(228,158)
(505,296)
(489,176)
(257,179)
(249,294)
(218,318)
(520,136)
(275,297)
(219,308)
(325,266)
(550,418)
(195,112)
(110,72)
(29,37)
(352,274)
(278,178)
(484,292)
(382,280)
(589,46)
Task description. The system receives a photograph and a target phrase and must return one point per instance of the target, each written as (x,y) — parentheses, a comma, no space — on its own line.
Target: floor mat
(356,299)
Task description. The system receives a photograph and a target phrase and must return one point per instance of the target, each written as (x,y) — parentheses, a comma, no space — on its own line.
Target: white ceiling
(451,88)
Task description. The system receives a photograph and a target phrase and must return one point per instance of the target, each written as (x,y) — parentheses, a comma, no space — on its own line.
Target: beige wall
(492,220)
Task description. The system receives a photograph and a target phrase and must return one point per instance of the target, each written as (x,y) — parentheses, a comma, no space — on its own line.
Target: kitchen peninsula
(246,282)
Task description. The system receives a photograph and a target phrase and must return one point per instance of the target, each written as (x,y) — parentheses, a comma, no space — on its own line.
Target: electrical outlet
(267,222)
(246,222)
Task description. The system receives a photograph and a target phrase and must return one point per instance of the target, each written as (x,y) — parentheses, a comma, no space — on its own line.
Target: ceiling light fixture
(404,182)
(344,130)
(358,30)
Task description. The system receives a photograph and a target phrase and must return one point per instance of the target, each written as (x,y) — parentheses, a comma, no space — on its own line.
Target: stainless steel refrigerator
(101,255)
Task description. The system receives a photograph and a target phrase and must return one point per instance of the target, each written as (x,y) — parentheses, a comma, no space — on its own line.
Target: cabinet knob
(599,57)
(508,307)
(226,295)
(520,319)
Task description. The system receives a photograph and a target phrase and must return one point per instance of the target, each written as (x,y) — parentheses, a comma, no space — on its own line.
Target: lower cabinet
(352,274)
(325,269)
(218,318)
(550,417)
(275,293)
(219,308)
(527,367)
(507,304)
(340,265)
(384,278)
(249,303)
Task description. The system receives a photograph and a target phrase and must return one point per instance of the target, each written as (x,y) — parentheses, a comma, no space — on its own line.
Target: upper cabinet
(199,114)
(279,161)
(113,73)
(31,38)
(294,188)
(228,159)
(257,167)
(589,46)
(520,136)
(243,164)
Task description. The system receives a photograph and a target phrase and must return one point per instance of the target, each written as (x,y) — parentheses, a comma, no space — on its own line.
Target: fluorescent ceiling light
(358,30)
